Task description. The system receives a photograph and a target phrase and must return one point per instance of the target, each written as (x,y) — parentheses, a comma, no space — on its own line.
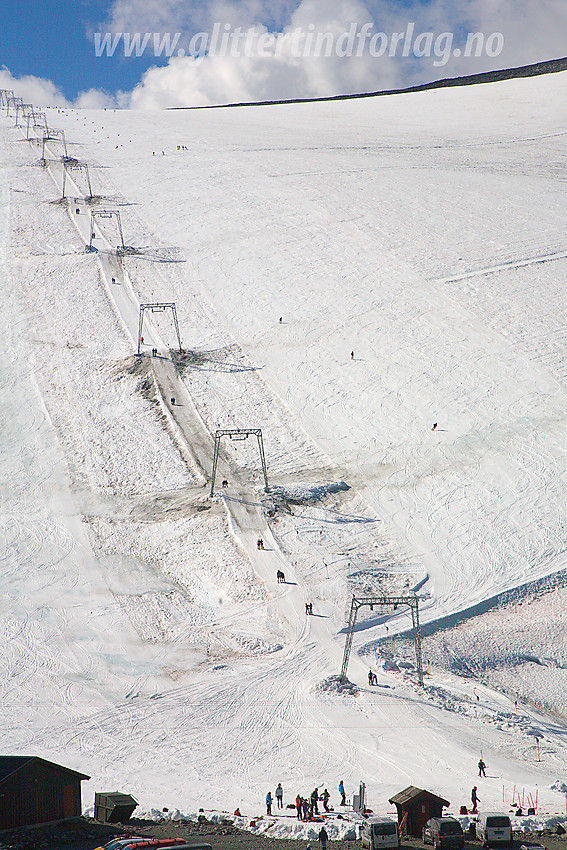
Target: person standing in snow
(298,804)
(269,803)
(305,808)
(342,793)
(325,797)
(314,798)
(323,838)
(481,766)
(279,796)
(475,801)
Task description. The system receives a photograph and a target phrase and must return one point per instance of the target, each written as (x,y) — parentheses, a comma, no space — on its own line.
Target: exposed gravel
(86,834)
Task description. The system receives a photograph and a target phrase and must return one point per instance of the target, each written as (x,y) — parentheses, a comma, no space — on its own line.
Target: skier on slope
(481,766)
(342,793)
(269,802)
(279,796)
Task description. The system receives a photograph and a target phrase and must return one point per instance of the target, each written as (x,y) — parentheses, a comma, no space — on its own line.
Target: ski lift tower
(385,604)
(52,135)
(239,434)
(75,165)
(158,308)
(38,121)
(105,214)
(25,109)
(4,95)
(11,103)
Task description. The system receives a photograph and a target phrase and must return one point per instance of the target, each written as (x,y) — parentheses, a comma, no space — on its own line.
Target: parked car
(120,843)
(494,828)
(380,833)
(137,842)
(444,833)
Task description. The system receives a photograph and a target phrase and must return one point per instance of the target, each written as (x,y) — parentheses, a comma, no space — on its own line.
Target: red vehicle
(137,842)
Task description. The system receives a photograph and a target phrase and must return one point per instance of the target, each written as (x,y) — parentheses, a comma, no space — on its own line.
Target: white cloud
(142,16)
(34,90)
(295,69)
(132,16)
(41,92)
(522,32)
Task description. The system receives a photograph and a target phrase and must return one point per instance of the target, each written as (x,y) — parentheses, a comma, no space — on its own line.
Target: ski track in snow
(367,262)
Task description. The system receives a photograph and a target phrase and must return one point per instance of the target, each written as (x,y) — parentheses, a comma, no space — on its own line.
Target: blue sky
(53,43)
(48,38)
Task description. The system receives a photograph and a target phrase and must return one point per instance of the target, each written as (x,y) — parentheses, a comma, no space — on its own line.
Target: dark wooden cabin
(34,790)
(416,806)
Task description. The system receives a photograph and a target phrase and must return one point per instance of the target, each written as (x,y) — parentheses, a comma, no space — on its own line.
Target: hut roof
(11,764)
(412,793)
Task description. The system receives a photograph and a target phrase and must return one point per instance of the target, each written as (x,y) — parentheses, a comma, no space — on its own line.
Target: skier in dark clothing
(279,796)
(475,801)
(481,766)
(325,797)
(323,838)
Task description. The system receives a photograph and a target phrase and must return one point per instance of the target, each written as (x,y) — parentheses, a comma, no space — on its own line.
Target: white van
(493,828)
(378,833)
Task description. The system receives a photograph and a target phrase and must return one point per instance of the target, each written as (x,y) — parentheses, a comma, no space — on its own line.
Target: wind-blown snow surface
(143,642)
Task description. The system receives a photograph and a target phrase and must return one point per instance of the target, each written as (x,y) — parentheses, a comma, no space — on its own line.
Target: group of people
(270,799)
(308,607)
(306,807)
(372,678)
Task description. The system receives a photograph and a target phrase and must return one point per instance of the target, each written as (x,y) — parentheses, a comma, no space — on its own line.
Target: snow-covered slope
(413,248)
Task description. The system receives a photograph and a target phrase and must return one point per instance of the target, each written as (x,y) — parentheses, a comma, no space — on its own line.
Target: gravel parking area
(86,834)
